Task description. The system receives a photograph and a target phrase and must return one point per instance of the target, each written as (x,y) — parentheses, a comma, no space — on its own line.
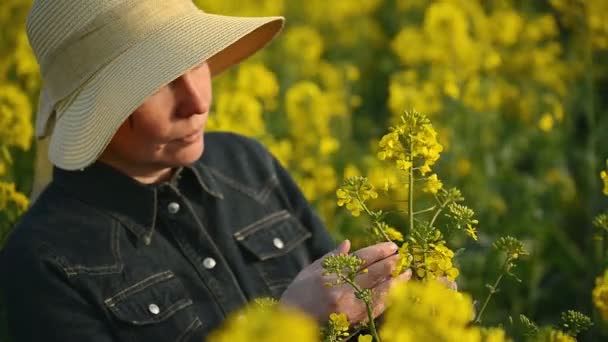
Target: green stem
(353,334)
(589,110)
(492,290)
(366,209)
(368,306)
(410,204)
(372,324)
(441,207)
(424,210)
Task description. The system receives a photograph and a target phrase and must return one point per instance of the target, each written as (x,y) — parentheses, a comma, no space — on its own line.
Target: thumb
(342,248)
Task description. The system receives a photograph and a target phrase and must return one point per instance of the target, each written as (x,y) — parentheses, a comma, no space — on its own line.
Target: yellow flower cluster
(560,336)
(591,14)
(427,263)
(11,200)
(484,58)
(12,205)
(428,311)
(412,145)
(301,124)
(604,177)
(266,323)
(337,328)
(432,184)
(600,295)
(19,82)
(354,193)
(15,117)
(250,8)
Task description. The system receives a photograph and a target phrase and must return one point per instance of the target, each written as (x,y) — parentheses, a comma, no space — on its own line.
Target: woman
(141,235)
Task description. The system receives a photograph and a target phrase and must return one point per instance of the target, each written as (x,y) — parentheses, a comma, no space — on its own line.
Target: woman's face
(167,129)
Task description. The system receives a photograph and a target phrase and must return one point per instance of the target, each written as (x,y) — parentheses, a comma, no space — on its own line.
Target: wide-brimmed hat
(101,59)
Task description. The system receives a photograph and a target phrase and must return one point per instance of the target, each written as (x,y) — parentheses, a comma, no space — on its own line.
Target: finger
(343,248)
(380,291)
(377,272)
(376,252)
(448,283)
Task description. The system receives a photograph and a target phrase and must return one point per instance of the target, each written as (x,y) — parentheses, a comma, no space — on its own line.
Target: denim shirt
(101,257)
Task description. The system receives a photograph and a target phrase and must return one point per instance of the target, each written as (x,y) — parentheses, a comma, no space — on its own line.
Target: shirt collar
(133,203)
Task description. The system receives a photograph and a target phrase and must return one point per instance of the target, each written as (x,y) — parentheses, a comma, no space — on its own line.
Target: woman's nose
(194,96)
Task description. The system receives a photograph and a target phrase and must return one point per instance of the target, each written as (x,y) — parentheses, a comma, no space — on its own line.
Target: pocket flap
(273,235)
(151,300)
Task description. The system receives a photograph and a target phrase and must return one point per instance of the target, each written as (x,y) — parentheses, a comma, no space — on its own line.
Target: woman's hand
(309,293)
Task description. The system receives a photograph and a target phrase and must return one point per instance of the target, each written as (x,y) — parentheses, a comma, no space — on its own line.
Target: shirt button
(154,309)
(278,243)
(209,263)
(173,207)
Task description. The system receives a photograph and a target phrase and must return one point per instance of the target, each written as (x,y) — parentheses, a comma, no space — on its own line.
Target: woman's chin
(188,153)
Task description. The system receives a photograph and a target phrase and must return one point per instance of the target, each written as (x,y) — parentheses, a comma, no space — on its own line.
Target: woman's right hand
(309,292)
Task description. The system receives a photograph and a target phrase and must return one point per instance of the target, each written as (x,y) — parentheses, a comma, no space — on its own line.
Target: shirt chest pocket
(155,309)
(276,246)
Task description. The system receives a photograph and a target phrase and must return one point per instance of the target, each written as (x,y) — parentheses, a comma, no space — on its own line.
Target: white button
(154,309)
(173,207)
(209,263)
(278,243)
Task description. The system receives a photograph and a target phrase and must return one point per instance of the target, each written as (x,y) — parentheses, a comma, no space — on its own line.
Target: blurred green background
(516,90)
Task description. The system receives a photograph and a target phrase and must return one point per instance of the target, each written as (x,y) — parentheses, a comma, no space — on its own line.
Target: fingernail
(342,246)
(407,274)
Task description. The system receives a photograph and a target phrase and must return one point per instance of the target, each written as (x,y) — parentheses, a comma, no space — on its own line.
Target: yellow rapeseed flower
(432,184)
(394,234)
(365,338)
(338,326)
(271,324)
(604,176)
(303,43)
(428,311)
(600,295)
(546,122)
(472,232)
(11,200)
(15,117)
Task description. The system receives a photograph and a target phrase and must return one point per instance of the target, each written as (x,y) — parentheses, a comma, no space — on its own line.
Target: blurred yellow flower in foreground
(604,176)
(432,312)
(267,323)
(600,295)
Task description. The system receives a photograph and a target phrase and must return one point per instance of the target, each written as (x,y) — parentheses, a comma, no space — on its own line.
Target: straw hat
(100,59)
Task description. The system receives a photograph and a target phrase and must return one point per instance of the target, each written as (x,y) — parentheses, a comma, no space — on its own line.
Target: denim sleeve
(43,306)
(321,242)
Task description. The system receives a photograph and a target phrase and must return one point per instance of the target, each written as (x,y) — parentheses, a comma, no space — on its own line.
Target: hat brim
(86,122)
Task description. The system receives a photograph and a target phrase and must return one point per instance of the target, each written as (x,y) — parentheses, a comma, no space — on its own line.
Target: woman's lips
(190,138)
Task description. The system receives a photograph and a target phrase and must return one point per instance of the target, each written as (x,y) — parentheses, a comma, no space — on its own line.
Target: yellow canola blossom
(412,144)
(15,117)
(604,176)
(600,295)
(271,324)
(354,193)
(428,311)
(432,184)
(11,200)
